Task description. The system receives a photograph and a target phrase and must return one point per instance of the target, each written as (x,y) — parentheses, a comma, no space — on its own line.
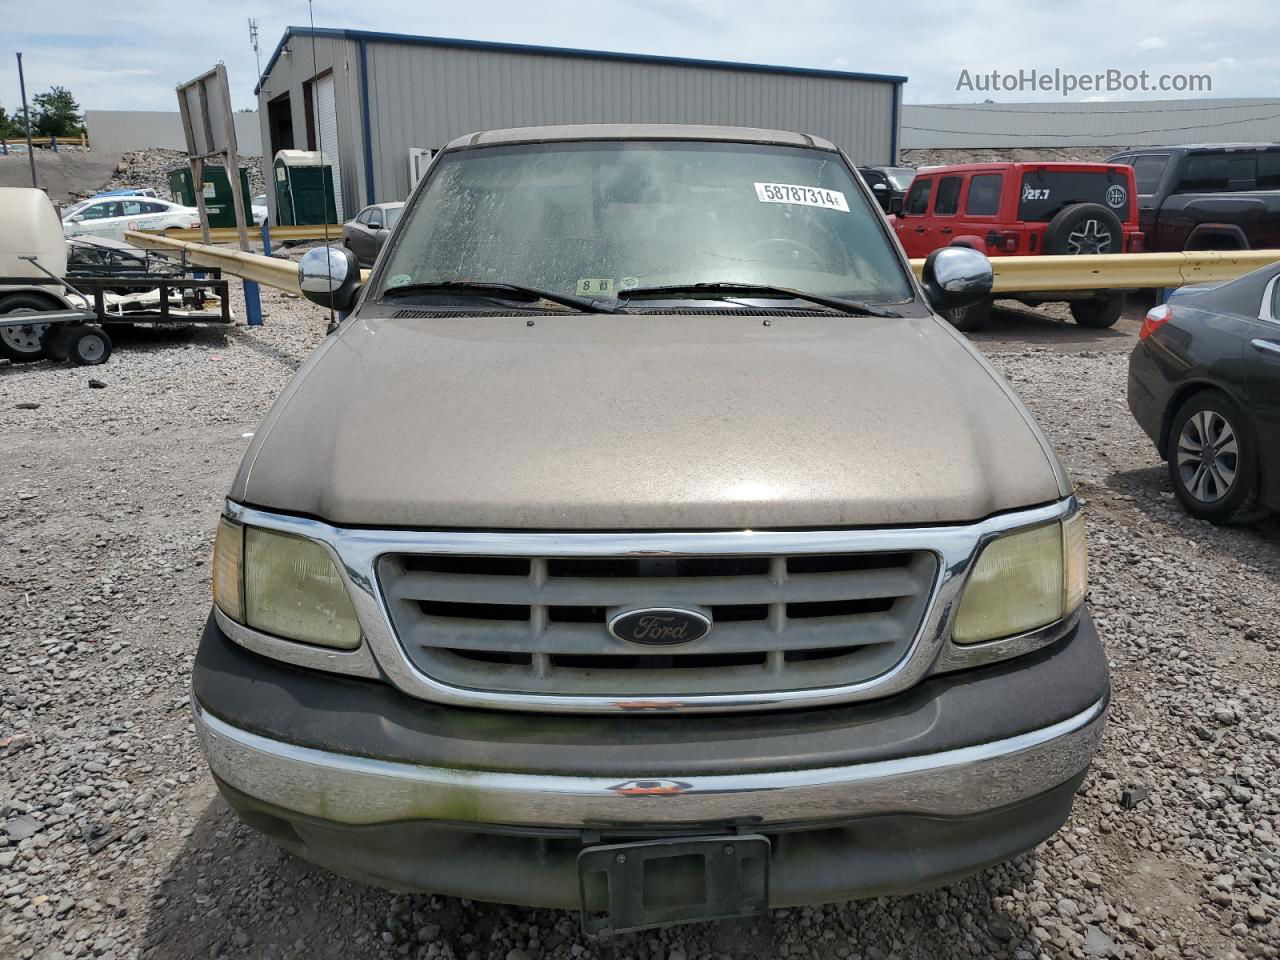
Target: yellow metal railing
(271,271)
(278,234)
(77,140)
(1116,271)
(1121,271)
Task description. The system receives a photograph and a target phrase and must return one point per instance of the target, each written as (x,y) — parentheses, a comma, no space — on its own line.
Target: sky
(130,56)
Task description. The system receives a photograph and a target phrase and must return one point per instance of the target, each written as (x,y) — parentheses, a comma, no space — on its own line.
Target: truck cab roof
(638,131)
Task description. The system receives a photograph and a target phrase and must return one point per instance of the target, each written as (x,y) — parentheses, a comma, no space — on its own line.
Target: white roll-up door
(326,133)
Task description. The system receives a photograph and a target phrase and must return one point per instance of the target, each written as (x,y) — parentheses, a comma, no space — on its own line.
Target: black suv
(889,185)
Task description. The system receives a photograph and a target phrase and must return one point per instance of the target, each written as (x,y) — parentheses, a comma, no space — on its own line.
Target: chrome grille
(538,625)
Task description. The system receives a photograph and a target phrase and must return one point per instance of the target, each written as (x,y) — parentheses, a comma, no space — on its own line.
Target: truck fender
(57,299)
(1223,229)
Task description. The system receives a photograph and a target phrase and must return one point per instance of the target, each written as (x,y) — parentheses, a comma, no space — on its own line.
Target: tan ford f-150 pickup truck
(643,542)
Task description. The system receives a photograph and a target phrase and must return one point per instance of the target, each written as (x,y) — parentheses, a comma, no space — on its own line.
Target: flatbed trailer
(77,329)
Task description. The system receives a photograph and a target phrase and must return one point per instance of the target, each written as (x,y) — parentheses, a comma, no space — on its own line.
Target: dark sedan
(1204,383)
(365,234)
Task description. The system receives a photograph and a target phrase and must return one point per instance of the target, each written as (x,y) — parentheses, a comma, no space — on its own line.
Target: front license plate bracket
(635,886)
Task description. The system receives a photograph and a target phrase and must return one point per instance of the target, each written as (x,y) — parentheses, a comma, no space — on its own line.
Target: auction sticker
(805,196)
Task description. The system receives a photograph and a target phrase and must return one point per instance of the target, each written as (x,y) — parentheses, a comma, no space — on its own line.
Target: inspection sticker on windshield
(589,285)
(806,196)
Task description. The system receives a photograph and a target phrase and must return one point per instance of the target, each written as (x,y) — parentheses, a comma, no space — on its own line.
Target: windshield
(392,214)
(597,218)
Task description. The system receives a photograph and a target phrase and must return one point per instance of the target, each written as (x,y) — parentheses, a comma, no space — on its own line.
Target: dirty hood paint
(647,422)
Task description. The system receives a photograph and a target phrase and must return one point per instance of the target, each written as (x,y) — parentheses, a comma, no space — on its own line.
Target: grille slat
(536,625)
(585,638)
(655,591)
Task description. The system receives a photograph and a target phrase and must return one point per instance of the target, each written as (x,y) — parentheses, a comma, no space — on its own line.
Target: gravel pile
(946,156)
(118,847)
(150,168)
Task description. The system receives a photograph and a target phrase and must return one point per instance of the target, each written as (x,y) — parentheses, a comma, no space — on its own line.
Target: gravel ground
(107,502)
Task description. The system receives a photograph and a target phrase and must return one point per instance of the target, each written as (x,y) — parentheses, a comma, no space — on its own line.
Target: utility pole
(26,116)
(253,42)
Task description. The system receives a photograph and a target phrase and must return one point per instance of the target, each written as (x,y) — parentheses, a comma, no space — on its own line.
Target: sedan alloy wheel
(1208,456)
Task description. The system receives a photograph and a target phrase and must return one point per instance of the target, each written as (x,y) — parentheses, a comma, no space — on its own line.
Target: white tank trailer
(30,227)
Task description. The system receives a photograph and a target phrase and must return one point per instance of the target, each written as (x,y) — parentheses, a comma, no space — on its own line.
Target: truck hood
(632,422)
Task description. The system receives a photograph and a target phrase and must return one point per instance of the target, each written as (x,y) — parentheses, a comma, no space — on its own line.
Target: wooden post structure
(197,170)
(252,297)
(205,145)
(233,161)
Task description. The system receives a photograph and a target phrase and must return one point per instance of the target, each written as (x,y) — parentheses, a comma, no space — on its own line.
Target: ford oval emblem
(659,626)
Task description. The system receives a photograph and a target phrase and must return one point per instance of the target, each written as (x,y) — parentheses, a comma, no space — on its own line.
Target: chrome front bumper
(355,790)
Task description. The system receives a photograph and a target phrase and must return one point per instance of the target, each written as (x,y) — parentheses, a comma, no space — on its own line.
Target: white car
(258,206)
(112,216)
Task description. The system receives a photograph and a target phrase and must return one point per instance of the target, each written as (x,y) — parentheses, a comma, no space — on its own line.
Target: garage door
(326,134)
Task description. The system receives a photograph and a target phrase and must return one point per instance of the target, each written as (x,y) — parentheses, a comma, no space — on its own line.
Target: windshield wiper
(502,291)
(749,290)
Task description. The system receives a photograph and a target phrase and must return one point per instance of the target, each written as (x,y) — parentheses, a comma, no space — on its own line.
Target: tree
(10,127)
(56,114)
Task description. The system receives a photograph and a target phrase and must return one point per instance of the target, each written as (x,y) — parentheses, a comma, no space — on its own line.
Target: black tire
(24,344)
(87,346)
(971,318)
(1099,312)
(1204,496)
(55,341)
(1084,228)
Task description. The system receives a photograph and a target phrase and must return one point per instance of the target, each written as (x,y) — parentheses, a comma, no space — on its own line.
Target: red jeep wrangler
(1007,209)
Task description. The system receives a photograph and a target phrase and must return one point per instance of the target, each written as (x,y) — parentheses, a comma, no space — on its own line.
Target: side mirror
(895,206)
(330,277)
(956,277)
(77,218)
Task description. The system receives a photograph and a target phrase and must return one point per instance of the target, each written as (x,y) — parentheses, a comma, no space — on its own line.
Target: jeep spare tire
(1084,228)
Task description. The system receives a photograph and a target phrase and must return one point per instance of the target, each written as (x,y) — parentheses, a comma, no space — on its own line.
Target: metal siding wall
(119,131)
(290,74)
(1132,123)
(424,96)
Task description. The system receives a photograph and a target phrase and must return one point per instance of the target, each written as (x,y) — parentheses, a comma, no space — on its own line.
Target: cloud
(130,56)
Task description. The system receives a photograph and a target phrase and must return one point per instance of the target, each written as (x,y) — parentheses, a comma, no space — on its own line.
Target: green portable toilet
(218,201)
(304,188)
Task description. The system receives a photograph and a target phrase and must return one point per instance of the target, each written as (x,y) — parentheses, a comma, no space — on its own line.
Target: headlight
(1022,581)
(283,585)
(228,569)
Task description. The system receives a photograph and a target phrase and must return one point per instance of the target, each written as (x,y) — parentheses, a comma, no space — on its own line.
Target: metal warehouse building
(380,103)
